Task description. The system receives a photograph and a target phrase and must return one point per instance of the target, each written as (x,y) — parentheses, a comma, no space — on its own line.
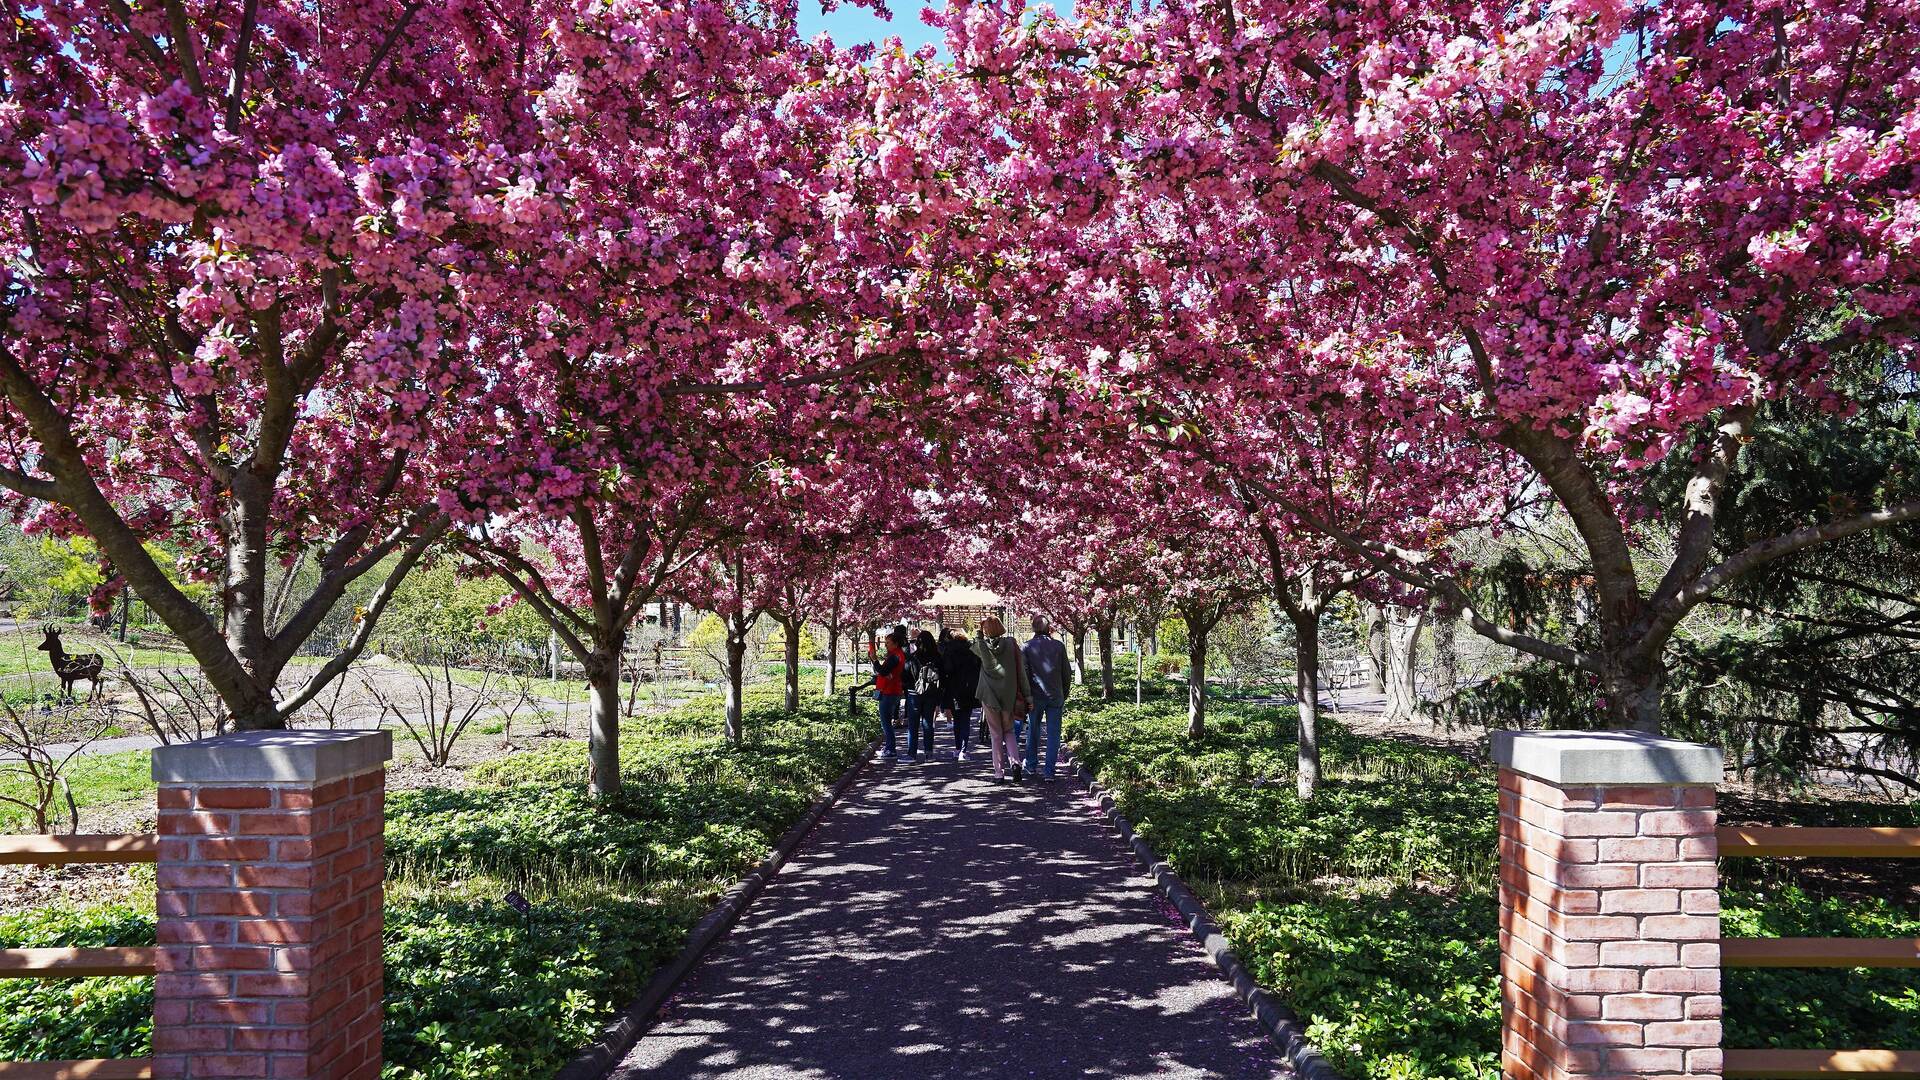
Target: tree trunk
(833,645)
(1306,688)
(1632,687)
(1104,635)
(603,724)
(833,659)
(793,665)
(1080,654)
(1403,645)
(1376,618)
(1446,660)
(1196,682)
(736,673)
(1139,662)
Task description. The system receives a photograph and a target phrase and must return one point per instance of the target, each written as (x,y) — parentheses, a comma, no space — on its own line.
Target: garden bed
(1372,910)
(473,987)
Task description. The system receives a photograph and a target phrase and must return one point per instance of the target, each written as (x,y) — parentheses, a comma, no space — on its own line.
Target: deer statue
(71,669)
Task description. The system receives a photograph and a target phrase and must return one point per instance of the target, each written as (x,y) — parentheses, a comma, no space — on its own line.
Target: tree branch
(338,664)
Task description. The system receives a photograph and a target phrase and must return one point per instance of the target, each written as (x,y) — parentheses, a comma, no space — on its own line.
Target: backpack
(926,676)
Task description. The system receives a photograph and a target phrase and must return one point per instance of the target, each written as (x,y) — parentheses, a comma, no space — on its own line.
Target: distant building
(961,607)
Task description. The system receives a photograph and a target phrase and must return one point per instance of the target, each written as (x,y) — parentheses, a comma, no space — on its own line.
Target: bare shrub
(442,708)
(176,705)
(37,746)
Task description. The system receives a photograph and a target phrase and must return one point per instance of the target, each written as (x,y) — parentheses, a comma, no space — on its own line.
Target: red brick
(1599,876)
(1684,1033)
(1703,1007)
(275,931)
(1646,1060)
(1700,901)
(1639,849)
(234,798)
(277,985)
(295,798)
(228,849)
(1696,875)
(1706,1062)
(274,877)
(193,877)
(1639,901)
(1597,927)
(173,798)
(193,931)
(1642,1007)
(1602,1033)
(195,985)
(1700,954)
(275,823)
(1602,823)
(228,1012)
(1615,798)
(1677,823)
(233,902)
(1601,981)
(240,1065)
(279,1039)
(177,823)
(232,958)
(1703,848)
(1682,981)
(1639,953)
(1681,927)
(169,1038)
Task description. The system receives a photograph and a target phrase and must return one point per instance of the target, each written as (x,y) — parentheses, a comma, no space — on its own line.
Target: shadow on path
(936,925)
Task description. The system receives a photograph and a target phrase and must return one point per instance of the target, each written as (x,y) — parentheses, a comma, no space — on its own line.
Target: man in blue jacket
(1049,676)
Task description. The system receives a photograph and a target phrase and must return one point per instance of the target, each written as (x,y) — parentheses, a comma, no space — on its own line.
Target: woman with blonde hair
(1001,689)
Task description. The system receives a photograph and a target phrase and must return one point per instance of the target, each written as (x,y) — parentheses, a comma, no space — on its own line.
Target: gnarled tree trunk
(1104,635)
(603,720)
(1306,692)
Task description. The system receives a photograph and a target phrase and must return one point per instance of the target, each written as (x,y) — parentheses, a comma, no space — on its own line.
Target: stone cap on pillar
(1607,758)
(268,757)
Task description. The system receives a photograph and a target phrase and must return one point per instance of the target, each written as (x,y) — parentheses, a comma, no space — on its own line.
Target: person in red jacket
(889,683)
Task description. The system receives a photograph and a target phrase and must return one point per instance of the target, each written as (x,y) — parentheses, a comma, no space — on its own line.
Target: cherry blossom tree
(1614,231)
(247,260)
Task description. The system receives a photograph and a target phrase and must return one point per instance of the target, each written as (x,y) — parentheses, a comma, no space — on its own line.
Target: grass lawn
(1372,910)
(473,988)
(96,780)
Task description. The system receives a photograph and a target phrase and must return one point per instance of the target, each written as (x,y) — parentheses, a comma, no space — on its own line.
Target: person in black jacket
(925,692)
(963,672)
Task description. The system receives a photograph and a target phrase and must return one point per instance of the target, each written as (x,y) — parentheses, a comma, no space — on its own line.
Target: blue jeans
(916,722)
(1050,712)
(889,714)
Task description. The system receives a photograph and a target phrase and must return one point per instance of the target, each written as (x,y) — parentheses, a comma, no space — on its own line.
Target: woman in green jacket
(1002,690)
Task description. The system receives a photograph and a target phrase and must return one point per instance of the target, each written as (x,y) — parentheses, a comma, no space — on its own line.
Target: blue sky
(852,25)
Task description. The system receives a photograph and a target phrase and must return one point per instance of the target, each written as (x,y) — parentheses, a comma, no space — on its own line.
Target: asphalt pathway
(937,925)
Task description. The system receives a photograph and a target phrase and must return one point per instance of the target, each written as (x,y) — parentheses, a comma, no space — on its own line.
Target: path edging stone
(1281,1023)
(599,1057)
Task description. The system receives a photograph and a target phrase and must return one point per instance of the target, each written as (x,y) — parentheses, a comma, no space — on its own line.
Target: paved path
(938,926)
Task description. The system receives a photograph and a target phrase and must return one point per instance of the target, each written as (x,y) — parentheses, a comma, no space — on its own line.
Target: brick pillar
(1609,906)
(269,901)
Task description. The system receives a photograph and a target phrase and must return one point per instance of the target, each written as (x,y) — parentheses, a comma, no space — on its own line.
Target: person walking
(1002,691)
(962,682)
(889,683)
(1049,676)
(924,688)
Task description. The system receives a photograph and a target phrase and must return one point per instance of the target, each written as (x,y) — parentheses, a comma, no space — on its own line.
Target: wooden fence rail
(1741,841)
(78,963)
